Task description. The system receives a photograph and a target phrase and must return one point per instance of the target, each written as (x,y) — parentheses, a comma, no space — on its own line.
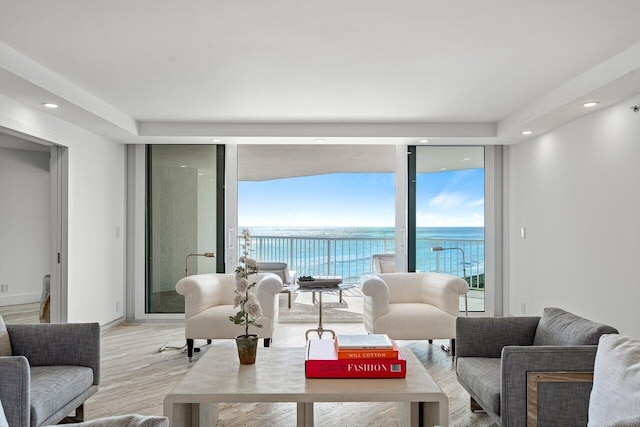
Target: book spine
(356,354)
(366,368)
(367,354)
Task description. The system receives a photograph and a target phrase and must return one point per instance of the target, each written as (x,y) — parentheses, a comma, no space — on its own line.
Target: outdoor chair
(412,306)
(208,303)
(282,270)
(384,263)
(499,358)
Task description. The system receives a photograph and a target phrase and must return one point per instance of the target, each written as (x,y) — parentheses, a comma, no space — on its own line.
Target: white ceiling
(349,71)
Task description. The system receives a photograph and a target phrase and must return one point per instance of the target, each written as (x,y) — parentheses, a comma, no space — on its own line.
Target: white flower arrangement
(250,310)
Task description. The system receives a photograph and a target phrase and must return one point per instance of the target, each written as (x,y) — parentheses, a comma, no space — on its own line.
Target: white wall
(96,208)
(25,206)
(576,190)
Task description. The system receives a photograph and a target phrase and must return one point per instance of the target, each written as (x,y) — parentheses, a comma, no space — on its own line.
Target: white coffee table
(278,376)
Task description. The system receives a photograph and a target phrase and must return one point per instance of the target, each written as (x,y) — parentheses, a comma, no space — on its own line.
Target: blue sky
(445,199)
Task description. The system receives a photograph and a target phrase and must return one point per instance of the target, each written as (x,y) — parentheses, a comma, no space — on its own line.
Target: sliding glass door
(185,186)
(446,215)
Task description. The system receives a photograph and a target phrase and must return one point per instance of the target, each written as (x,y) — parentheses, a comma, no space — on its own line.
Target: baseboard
(19,299)
(106,328)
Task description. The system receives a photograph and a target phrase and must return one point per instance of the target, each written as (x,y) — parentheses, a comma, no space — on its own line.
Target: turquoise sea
(347,251)
(368,232)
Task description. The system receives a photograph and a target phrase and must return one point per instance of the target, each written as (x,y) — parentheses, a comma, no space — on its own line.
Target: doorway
(446,215)
(184,223)
(32,229)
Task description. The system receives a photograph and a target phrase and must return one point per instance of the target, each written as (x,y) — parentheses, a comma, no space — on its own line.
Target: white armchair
(412,306)
(209,303)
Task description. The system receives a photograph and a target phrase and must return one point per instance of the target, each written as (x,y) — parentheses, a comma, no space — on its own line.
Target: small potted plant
(250,310)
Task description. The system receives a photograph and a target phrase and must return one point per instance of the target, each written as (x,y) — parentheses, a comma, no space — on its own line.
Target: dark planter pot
(247,348)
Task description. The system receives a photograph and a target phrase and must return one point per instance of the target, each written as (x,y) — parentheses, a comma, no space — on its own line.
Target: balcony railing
(351,257)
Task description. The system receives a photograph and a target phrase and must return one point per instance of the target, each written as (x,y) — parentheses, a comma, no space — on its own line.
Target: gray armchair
(52,371)
(496,356)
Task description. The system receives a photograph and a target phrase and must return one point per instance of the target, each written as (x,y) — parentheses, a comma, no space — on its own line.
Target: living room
(562,222)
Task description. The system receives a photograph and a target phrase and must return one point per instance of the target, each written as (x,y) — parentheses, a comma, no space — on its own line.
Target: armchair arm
(202,291)
(376,295)
(58,344)
(561,403)
(15,389)
(443,291)
(269,285)
(486,336)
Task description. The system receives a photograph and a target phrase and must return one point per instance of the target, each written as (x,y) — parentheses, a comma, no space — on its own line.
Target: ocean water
(446,233)
(348,251)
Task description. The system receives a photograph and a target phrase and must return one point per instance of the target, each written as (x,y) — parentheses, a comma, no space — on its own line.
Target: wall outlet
(523,308)
(117,305)
(4,288)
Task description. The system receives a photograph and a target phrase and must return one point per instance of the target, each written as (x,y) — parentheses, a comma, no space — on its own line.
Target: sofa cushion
(401,320)
(615,395)
(5,342)
(481,375)
(559,327)
(52,387)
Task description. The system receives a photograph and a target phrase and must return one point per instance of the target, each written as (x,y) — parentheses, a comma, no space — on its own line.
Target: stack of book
(355,356)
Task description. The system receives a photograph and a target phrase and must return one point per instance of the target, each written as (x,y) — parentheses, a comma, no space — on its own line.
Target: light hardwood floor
(135,377)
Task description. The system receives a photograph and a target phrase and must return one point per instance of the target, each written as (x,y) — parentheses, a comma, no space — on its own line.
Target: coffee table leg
(191,414)
(305,414)
(407,414)
(207,414)
(427,414)
(320,330)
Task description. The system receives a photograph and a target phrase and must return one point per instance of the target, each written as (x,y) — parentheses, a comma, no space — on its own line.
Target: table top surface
(320,288)
(279,376)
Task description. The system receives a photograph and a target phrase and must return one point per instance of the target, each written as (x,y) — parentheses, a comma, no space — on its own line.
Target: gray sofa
(52,371)
(494,355)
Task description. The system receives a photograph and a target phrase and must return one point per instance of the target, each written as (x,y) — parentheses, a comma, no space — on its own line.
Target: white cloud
(446,200)
(475,203)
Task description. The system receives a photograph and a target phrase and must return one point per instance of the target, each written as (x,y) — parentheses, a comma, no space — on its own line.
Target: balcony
(351,257)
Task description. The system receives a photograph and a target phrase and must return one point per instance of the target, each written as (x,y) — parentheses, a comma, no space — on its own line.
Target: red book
(356,354)
(322,362)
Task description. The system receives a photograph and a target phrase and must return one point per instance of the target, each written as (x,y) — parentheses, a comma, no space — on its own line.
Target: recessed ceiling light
(50,105)
(215,140)
(443,169)
(590,104)
(320,140)
(466,159)
(183,166)
(424,141)
(527,132)
(200,174)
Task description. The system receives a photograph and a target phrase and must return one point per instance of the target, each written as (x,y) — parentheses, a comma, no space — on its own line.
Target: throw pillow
(615,396)
(5,342)
(559,327)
